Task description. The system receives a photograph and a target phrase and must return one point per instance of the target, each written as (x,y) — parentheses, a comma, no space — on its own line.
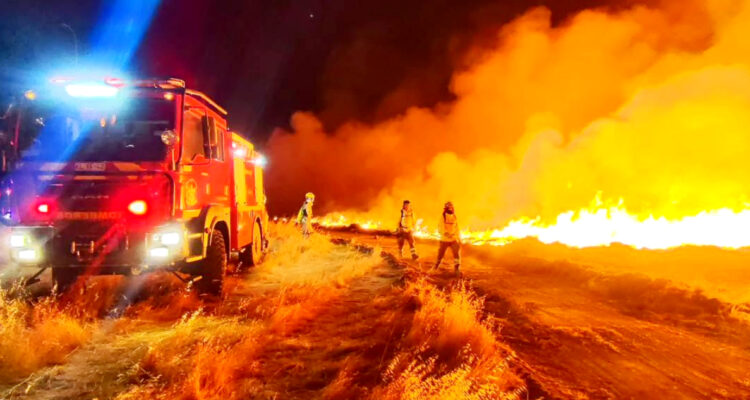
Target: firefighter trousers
(406,237)
(306,227)
(455,247)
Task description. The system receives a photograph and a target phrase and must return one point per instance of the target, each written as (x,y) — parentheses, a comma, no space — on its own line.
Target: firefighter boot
(414,255)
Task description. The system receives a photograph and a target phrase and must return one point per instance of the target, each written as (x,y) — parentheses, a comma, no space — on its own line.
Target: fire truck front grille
(95,244)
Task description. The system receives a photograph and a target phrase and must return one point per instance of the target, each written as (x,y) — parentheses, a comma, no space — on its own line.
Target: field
(340,316)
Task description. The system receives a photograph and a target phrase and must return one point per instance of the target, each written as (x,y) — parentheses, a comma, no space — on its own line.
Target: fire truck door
(260,194)
(244,211)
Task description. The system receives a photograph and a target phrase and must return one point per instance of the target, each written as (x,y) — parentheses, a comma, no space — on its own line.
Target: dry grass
(203,357)
(449,322)
(296,260)
(90,299)
(298,306)
(165,299)
(36,335)
(345,385)
(423,343)
(219,356)
(449,351)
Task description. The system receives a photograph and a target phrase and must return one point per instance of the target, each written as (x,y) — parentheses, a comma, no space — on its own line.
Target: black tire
(64,278)
(253,253)
(256,247)
(212,268)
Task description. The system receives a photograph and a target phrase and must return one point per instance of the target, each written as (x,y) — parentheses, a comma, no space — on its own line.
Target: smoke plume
(648,105)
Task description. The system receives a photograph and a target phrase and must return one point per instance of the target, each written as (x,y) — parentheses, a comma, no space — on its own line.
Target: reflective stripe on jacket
(305,213)
(406,223)
(449,231)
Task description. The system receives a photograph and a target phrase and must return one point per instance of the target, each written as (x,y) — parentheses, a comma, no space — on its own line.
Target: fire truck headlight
(170,238)
(158,253)
(28,255)
(18,240)
(169,235)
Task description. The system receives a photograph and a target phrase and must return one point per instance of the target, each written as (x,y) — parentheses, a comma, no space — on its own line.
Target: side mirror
(169,138)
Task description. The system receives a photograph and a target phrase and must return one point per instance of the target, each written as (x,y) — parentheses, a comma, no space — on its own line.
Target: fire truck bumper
(112,251)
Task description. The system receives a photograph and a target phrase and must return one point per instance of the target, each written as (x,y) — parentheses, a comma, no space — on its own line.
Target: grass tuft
(35,335)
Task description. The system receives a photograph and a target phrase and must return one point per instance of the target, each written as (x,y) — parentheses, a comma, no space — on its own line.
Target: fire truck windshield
(65,132)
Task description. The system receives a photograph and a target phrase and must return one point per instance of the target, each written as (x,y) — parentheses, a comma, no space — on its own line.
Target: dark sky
(265,59)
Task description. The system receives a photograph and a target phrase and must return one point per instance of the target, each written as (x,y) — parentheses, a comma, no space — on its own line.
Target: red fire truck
(118,176)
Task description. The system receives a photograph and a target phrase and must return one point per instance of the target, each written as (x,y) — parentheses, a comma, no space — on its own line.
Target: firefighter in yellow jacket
(305,214)
(405,232)
(450,237)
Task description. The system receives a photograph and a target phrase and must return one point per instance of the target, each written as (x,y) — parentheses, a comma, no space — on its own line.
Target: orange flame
(648,103)
(598,226)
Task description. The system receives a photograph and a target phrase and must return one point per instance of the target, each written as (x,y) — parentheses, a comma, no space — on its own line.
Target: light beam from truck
(121,27)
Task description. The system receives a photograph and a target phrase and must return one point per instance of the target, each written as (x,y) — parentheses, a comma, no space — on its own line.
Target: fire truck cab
(122,177)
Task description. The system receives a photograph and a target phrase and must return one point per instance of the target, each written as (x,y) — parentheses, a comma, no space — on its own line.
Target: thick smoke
(648,104)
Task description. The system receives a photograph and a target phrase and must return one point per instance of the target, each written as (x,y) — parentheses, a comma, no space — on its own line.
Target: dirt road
(338,321)
(582,333)
(283,330)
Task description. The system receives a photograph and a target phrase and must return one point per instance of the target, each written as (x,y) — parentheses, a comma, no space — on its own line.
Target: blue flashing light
(91,90)
(121,27)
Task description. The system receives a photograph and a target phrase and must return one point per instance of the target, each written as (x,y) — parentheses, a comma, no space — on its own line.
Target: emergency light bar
(91,90)
(260,161)
(109,87)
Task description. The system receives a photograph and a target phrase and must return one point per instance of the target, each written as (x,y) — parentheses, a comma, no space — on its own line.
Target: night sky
(342,59)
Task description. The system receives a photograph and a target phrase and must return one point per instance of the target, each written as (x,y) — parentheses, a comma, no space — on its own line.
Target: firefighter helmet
(310,196)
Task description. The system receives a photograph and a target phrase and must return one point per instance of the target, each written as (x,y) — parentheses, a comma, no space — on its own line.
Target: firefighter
(405,233)
(304,217)
(450,237)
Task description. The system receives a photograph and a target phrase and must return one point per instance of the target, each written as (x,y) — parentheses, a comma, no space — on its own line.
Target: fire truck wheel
(253,253)
(256,248)
(64,278)
(213,266)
